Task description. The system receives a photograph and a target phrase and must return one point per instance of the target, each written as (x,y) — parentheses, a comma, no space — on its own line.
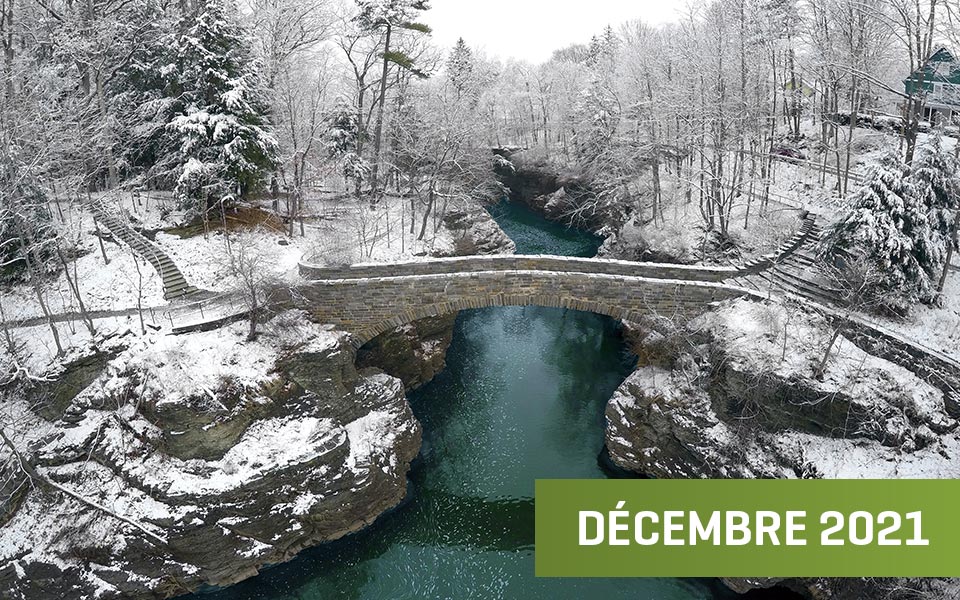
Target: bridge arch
(371,332)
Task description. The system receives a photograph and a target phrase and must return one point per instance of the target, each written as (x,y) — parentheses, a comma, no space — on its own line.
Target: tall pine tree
(389,16)
(460,68)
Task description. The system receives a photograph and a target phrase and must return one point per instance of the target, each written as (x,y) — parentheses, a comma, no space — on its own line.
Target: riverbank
(564,194)
(205,420)
(522,396)
(194,461)
(752,390)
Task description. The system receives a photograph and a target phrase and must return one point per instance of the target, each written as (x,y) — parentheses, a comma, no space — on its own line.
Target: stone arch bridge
(368,300)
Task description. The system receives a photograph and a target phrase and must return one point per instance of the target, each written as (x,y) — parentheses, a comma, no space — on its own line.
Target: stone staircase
(794,269)
(175,285)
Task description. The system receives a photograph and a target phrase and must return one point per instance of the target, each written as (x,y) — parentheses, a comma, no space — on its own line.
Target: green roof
(942,67)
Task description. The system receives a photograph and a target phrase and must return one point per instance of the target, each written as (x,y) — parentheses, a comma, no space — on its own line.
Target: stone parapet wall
(558,264)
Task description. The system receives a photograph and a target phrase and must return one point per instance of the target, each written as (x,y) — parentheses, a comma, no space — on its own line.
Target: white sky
(532,29)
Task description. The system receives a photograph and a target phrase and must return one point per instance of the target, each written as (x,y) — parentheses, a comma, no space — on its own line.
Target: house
(940,78)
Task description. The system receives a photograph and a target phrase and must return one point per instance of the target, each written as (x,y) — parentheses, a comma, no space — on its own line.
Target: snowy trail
(74,316)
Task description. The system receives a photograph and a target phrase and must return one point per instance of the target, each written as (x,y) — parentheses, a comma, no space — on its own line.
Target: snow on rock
(936,327)
(172,369)
(739,397)
(855,386)
(187,482)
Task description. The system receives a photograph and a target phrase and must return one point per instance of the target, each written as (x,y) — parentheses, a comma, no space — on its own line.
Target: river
(522,398)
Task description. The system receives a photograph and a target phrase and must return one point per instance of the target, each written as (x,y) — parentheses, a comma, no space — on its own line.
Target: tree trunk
(946,265)
(112,176)
(136,262)
(8,50)
(821,369)
(378,133)
(11,347)
(75,289)
(28,250)
(426,214)
(254,308)
(854,115)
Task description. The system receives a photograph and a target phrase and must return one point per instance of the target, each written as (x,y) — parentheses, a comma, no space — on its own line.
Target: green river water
(522,398)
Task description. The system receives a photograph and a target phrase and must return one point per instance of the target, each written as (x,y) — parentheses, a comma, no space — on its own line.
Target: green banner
(748,528)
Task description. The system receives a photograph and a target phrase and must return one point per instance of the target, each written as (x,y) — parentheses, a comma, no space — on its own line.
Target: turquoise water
(522,398)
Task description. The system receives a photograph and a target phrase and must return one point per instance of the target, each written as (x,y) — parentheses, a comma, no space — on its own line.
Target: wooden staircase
(175,285)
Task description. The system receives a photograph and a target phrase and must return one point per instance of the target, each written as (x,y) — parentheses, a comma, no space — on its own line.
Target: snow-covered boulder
(117,513)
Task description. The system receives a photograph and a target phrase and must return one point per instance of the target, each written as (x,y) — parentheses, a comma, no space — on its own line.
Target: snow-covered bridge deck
(367,300)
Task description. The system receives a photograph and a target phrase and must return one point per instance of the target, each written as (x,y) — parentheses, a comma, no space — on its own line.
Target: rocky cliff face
(475,232)
(737,394)
(414,353)
(120,507)
(567,197)
(559,195)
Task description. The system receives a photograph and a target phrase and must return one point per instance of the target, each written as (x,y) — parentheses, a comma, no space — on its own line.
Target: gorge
(522,396)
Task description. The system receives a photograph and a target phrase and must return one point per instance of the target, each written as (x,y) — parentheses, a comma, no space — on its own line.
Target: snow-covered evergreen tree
(342,140)
(936,175)
(219,125)
(397,13)
(460,68)
(144,105)
(888,225)
(603,47)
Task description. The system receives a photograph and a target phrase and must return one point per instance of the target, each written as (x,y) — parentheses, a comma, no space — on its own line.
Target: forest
(216,104)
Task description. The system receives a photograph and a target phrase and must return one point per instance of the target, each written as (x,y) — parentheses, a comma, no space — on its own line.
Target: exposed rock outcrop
(561,195)
(475,232)
(414,353)
(736,394)
(327,454)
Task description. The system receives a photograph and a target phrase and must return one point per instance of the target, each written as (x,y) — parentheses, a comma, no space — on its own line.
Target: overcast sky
(532,29)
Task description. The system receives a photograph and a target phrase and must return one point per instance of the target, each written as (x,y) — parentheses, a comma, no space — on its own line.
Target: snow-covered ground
(37,352)
(336,231)
(792,342)
(756,232)
(936,327)
(114,284)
